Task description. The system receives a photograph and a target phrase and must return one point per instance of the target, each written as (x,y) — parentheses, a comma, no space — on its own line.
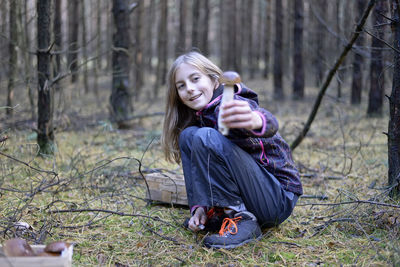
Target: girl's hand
(199,218)
(238,114)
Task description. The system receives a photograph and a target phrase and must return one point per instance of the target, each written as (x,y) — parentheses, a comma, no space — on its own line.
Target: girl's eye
(196,78)
(179,86)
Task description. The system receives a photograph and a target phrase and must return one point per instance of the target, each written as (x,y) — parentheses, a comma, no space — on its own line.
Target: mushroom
(17,247)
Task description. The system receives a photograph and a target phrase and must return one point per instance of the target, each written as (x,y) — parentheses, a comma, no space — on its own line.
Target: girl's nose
(190,87)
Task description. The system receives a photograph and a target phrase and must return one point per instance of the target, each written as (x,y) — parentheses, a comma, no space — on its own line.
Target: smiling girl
(234,183)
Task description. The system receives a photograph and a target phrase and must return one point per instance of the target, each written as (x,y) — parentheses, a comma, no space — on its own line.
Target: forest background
(82,99)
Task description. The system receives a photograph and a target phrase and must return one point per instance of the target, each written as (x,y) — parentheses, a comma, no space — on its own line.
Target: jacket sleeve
(269,126)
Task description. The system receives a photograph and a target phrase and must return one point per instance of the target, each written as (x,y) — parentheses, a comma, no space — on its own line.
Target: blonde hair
(177,115)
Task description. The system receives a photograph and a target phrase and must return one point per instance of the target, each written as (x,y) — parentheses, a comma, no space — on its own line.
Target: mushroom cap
(56,247)
(230,78)
(17,247)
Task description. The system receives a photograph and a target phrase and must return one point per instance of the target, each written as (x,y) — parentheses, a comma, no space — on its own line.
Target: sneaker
(215,216)
(239,230)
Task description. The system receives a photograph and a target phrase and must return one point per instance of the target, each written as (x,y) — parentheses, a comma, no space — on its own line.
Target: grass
(97,201)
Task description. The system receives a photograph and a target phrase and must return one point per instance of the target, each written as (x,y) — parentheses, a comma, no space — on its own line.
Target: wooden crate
(167,188)
(65,260)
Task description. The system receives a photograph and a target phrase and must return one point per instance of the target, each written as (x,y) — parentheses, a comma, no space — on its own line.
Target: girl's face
(195,88)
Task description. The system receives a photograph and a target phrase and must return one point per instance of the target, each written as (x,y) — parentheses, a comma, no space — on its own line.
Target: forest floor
(90,193)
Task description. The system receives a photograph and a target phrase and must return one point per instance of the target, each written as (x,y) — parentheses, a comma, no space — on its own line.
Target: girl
(237,182)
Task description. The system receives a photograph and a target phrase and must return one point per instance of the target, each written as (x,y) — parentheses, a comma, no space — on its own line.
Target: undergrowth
(91,193)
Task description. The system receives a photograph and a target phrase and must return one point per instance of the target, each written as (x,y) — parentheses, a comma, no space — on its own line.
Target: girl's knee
(187,134)
(204,135)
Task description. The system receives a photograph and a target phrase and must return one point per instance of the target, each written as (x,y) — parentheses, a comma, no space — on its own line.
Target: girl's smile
(195,89)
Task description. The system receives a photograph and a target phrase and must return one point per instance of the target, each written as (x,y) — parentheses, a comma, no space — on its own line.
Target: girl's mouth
(195,97)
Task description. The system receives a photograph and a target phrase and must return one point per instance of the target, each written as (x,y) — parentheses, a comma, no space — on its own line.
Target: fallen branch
(352,202)
(119,213)
(26,164)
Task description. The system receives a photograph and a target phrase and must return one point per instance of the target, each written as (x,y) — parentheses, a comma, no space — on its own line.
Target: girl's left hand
(238,114)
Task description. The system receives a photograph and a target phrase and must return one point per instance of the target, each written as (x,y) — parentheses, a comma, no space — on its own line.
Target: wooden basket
(65,260)
(167,188)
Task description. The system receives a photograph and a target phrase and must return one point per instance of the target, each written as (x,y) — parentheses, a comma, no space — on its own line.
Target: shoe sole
(235,245)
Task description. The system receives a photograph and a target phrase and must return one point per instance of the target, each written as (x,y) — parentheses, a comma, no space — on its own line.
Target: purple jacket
(266,146)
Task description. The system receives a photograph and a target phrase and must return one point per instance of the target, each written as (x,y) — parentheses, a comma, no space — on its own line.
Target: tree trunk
(27,58)
(394,104)
(222,31)
(267,37)
(257,38)
(180,46)
(298,68)
(97,63)
(358,60)
(320,58)
(162,47)
(109,38)
(12,60)
(57,38)
(45,136)
(120,98)
(73,39)
(237,37)
(278,86)
(377,74)
(204,22)
(250,45)
(84,48)
(149,33)
(339,16)
(195,24)
(139,50)
(229,36)
(3,41)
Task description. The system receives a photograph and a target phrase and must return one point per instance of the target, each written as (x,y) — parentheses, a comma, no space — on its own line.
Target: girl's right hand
(199,218)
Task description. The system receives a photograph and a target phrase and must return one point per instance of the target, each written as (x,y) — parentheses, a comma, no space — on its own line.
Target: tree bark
(139,49)
(267,38)
(237,37)
(377,74)
(204,22)
(120,98)
(12,60)
(222,33)
(45,137)
(250,44)
(97,63)
(229,35)
(357,84)
(394,104)
(180,46)
(278,84)
(195,24)
(57,38)
(73,39)
(162,47)
(320,58)
(298,68)
(27,58)
(149,40)
(84,48)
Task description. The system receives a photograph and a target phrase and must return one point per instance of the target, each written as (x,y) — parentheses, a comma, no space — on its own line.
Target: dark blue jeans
(219,173)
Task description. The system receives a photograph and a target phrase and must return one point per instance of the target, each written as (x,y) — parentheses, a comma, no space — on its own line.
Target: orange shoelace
(228,224)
